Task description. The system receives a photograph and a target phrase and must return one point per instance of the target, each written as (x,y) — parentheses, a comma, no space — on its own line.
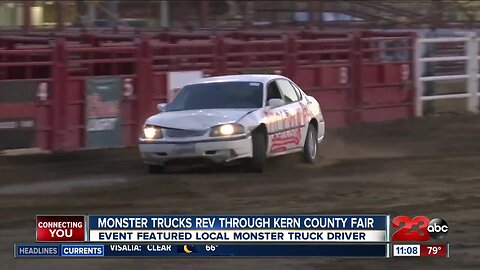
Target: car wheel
(259,153)
(154,169)
(311,145)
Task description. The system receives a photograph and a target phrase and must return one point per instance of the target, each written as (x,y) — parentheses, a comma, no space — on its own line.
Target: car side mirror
(162,107)
(275,102)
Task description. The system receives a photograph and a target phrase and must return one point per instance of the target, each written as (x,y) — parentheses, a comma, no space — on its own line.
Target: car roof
(262,78)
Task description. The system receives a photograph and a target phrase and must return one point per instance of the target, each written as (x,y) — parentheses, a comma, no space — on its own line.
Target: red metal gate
(386,87)
(365,76)
(323,69)
(105,59)
(27,93)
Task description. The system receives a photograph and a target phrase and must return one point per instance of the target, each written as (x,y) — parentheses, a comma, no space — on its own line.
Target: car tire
(156,169)
(259,153)
(310,148)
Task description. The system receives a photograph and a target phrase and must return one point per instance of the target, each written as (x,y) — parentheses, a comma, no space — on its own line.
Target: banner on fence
(103,113)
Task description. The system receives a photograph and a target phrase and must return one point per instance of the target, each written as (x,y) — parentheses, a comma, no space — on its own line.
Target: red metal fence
(386,87)
(357,77)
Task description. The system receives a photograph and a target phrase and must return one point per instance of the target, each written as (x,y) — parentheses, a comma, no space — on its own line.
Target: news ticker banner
(231,235)
(219,229)
(234,250)
(201,250)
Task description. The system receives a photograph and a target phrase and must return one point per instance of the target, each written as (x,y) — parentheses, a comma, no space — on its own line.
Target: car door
(284,124)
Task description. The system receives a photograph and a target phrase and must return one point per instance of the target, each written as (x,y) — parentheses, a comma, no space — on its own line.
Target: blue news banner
(233,222)
(213,250)
(125,236)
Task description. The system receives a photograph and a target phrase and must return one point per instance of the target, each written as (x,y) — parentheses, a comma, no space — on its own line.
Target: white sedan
(238,117)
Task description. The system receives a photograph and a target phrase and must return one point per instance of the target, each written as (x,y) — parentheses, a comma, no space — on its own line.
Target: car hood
(197,119)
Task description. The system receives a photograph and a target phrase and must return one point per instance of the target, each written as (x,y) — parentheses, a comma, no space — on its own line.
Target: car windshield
(218,95)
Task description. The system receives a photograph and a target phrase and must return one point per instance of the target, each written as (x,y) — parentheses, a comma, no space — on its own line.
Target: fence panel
(26,91)
(386,86)
(105,62)
(243,56)
(323,70)
(469,73)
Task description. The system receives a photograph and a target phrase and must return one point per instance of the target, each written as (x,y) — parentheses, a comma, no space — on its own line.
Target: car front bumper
(216,150)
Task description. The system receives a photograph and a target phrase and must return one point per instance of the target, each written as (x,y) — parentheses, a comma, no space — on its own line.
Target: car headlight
(152,132)
(227,130)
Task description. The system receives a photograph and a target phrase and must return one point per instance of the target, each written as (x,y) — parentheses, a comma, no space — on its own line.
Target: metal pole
(13,19)
(472,71)
(418,74)
(205,12)
(112,6)
(164,12)
(92,14)
(27,20)
(311,12)
(60,9)
(320,14)
(249,13)
(186,14)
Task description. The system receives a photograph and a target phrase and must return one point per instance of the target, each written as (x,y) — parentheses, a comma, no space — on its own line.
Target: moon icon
(185,248)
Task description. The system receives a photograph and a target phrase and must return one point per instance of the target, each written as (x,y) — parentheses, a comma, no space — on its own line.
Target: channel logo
(420,228)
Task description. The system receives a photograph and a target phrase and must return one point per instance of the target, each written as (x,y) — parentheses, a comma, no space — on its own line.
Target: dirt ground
(426,166)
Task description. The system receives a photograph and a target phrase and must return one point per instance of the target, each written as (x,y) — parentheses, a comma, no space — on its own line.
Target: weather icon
(186,249)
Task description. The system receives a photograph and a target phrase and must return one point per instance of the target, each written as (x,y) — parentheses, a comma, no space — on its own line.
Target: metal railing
(471,74)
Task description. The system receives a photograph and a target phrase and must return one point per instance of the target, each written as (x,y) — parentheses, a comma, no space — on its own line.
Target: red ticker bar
(434,250)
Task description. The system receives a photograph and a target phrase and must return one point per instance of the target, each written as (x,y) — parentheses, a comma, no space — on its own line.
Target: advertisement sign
(103,114)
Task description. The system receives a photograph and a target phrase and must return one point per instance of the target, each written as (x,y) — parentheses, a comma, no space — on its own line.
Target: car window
(217,95)
(289,93)
(272,91)
(297,89)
